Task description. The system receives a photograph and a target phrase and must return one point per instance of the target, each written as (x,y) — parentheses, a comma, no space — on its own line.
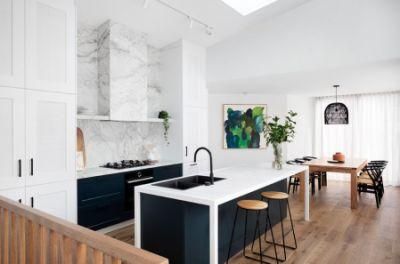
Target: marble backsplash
(113,141)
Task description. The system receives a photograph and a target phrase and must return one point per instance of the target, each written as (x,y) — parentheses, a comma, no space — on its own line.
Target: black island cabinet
(179,230)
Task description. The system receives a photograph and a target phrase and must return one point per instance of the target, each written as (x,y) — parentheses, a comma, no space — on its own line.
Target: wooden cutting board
(80,144)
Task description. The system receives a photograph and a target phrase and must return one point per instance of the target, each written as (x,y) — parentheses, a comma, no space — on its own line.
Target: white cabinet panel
(50,137)
(17,195)
(195,132)
(12,138)
(190,168)
(201,167)
(57,199)
(12,43)
(50,45)
(194,77)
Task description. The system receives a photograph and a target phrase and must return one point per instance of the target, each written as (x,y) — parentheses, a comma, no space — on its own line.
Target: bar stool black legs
(281,197)
(267,222)
(256,206)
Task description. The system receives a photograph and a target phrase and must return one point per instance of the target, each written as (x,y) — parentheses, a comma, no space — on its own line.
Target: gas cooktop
(125,164)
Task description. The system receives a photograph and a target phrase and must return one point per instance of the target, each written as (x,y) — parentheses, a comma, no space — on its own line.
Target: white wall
(276,105)
(302,144)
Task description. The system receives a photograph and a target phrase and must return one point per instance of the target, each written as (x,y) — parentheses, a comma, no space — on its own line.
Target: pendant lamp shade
(336,113)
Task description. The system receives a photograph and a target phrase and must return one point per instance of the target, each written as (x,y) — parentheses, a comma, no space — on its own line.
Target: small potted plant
(165,117)
(276,133)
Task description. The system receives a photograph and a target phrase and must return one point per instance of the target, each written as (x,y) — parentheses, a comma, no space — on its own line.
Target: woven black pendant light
(336,113)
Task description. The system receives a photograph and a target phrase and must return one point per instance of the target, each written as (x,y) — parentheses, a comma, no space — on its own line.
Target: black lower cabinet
(109,199)
(101,201)
(180,231)
(175,229)
(167,172)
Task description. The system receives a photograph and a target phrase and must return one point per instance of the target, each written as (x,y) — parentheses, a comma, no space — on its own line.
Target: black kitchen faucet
(211,162)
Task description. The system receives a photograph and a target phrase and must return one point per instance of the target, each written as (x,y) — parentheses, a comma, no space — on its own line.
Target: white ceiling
(308,49)
(164,26)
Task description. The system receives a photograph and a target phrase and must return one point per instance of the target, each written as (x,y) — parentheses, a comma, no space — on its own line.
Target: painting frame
(244,108)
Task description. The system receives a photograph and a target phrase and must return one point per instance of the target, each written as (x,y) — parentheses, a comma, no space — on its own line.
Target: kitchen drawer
(95,200)
(104,212)
(95,187)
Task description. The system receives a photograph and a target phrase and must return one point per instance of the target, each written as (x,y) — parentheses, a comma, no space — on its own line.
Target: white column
(214,234)
(137,219)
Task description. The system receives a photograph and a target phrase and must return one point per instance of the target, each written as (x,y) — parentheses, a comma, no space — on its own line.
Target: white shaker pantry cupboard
(50,45)
(12,138)
(38,117)
(17,195)
(50,137)
(58,199)
(12,43)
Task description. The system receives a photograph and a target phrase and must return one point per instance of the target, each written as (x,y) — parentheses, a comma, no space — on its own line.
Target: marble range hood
(122,73)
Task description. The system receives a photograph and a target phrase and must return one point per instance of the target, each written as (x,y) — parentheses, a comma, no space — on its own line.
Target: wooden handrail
(31,236)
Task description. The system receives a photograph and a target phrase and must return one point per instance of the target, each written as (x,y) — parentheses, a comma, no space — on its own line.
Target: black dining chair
(294,181)
(370,181)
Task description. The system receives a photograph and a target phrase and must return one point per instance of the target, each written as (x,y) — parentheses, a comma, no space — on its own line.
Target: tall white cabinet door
(50,137)
(194,77)
(12,138)
(12,43)
(190,133)
(57,199)
(50,45)
(195,132)
(17,195)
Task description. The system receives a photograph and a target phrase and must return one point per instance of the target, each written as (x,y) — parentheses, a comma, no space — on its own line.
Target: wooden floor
(336,234)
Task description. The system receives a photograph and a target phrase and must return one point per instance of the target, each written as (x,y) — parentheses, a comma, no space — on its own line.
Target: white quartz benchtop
(100,171)
(239,180)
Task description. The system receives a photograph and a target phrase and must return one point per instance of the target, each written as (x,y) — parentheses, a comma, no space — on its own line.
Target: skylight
(245,7)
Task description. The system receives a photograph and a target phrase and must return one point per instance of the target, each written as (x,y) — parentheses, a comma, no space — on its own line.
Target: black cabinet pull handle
(31,167)
(19,168)
(32,202)
(186,151)
(20,201)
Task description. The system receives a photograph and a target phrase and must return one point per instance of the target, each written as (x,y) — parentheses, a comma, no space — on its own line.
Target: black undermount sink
(188,182)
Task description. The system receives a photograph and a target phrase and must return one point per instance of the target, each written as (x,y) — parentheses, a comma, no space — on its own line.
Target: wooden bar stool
(254,206)
(280,196)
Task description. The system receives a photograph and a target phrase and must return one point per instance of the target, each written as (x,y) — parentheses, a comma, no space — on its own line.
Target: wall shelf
(107,118)
(93,117)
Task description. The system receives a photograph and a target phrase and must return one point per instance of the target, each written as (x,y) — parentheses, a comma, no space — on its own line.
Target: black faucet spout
(211,161)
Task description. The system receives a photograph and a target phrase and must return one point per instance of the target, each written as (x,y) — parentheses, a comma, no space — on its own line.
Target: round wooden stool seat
(252,205)
(275,195)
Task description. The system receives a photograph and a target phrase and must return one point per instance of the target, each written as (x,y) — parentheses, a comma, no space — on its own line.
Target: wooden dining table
(350,166)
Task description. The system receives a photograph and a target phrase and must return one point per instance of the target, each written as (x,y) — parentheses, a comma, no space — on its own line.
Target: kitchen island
(194,225)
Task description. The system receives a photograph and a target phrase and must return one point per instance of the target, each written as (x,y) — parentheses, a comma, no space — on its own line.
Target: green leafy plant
(276,132)
(165,116)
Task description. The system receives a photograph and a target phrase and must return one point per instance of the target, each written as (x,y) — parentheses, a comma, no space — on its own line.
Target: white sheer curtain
(373,131)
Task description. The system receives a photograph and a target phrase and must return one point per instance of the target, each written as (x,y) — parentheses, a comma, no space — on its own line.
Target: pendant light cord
(336,86)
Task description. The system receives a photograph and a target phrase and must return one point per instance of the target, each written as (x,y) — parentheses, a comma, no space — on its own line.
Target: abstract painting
(243,126)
